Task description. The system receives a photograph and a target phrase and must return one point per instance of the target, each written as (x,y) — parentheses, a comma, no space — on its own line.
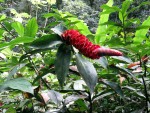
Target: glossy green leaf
(17,41)
(46,41)
(87,71)
(31,28)
(114,86)
(19,84)
(19,28)
(62,63)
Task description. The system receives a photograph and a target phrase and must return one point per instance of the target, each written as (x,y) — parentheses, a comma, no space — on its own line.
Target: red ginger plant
(87,48)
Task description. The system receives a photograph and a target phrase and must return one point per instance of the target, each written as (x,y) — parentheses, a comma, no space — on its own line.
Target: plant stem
(145,88)
(91,104)
(124,32)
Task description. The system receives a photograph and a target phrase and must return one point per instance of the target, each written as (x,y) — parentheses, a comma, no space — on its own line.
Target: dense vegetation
(40,72)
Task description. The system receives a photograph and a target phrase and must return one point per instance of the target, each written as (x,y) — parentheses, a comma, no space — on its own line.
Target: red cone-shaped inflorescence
(79,41)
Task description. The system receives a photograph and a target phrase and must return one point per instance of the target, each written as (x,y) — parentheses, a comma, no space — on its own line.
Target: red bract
(79,41)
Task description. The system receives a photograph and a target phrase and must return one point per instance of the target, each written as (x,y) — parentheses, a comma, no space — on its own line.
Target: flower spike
(87,48)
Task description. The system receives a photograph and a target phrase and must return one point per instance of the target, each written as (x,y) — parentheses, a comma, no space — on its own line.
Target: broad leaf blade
(114,86)
(87,71)
(31,28)
(19,28)
(62,63)
(46,41)
(19,84)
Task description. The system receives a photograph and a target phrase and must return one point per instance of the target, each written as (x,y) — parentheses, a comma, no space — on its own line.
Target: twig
(7,30)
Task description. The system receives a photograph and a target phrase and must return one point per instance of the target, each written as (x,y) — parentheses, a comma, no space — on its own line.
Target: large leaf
(114,86)
(19,28)
(46,41)
(55,97)
(88,72)
(101,33)
(31,28)
(62,63)
(19,84)
(17,41)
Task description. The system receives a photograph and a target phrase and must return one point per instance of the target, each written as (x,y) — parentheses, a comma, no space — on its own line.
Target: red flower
(79,41)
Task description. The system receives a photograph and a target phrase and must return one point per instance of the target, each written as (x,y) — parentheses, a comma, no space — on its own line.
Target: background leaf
(55,97)
(19,84)
(19,28)
(114,86)
(31,28)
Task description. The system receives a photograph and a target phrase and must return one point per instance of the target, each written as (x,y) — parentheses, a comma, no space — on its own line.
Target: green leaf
(123,70)
(62,63)
(122,58)
(55,97)
(19,28)
(14,70)
(109,9)
(125,6)
(31,28)
(59,29)
(2,17)
(114,86)
(87,71)
(46,41)
(140,34)
(19,84)
(17,41)
(11,110)
(101,33)
(103,62)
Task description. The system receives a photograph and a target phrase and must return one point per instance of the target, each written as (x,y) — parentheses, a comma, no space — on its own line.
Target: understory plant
(63,67)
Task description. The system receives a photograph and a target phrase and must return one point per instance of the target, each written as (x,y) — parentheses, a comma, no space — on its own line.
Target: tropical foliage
(42,71)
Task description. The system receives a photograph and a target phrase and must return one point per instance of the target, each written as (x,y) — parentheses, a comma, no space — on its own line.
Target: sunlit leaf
(62,63)
(19,28)
(88,72)
(31,28)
